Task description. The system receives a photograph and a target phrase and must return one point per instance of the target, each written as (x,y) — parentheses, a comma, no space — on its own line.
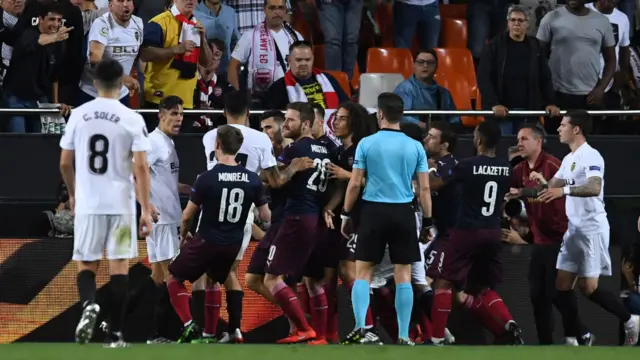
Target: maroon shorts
(434,256)
(260,256)
(197,257)
(294,248)
(472,258)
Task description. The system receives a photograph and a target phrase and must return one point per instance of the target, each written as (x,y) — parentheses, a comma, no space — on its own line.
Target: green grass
(39,351)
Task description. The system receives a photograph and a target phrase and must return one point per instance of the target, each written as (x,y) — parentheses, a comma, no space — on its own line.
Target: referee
(390,160)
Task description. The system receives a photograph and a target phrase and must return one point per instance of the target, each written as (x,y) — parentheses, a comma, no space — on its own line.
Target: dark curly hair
(361,124)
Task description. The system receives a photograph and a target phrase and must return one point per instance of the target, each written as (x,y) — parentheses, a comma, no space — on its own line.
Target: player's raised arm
(260,201)
(195,201)
(277,178)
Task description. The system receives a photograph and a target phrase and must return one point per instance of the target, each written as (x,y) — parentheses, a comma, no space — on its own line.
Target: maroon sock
(496,308)
(425,326)
(477,308)
(440,312)
(318,304)
(332,312)
(289,304)
(303,298)
(180,300)
(212,302)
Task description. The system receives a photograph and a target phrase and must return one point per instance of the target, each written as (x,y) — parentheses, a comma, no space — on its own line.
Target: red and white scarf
(296,93)
(188,32)
(264,62)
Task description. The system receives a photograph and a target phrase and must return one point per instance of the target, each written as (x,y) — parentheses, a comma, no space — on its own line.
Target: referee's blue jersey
(390,159)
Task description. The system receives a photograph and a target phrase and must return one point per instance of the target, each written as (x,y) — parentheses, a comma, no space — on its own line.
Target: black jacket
(276,96)
(74,46)
(491,74)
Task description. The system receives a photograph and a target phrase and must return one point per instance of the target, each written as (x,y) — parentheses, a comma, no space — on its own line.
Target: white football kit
(104,134)
(585,245)
(164,241)
(256,153)
(120,43)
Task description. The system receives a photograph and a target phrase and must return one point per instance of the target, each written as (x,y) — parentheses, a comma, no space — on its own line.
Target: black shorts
(392,224)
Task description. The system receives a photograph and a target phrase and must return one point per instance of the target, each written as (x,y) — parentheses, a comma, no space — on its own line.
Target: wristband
(345,215)
(427,222)
(566,190)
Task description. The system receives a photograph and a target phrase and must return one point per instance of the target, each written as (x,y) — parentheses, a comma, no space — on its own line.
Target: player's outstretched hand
(346,229)
(301,164)
(328,218)
(145,224)
(537,177)
(550,194)
(336,172)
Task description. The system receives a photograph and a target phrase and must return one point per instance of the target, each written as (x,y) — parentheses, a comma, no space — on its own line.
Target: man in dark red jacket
(548,223)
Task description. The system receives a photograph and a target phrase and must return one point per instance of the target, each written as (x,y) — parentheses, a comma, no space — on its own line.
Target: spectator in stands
(514,74)
(264,50)
(304,83)
(485,20)
(11,10)
(115,35)
(621,34)
(36,67)
(74,46)
(629,8)
(340,22)
(584,34)
(148,9)
(211,89)
(90,12)
(220,22)
(251,13)
(416,17)
(174,44)
(421,92)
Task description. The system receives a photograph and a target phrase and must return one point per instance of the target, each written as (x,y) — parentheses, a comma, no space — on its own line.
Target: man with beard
(74,45)
(294,245)
(116,35)
(548,223)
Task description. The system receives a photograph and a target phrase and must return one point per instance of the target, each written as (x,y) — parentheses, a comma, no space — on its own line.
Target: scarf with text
(205,89)
(263,64)
(187,63)
(296,93)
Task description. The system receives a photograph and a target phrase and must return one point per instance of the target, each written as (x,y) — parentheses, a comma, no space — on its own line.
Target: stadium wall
(39,301)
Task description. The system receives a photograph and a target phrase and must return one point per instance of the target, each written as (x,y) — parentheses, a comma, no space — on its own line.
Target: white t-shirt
(120,43)
(586,214)
(620,26)
(104,133)
(164,168)
(256,152)
(243,50)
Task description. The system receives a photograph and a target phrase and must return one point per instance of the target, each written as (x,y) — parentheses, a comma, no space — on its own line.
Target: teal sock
(360,301)
(404,305)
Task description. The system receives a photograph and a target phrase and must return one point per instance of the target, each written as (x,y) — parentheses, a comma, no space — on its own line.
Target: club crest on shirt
(104,31)
(573,166)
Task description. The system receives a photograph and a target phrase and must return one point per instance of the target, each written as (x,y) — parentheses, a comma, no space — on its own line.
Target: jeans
(409,20)
(340,22)
(484,21)
(21,124)
(629,8)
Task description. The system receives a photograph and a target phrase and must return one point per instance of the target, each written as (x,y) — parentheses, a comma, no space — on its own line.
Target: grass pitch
(41,351)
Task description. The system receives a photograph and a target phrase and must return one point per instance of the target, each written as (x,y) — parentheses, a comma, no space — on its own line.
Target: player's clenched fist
(146,222)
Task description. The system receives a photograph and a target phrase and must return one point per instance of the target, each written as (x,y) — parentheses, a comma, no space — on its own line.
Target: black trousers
(542,291)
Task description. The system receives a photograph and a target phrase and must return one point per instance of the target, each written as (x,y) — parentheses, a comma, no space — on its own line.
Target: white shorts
(247,233)
(93,234)
(163,242)
(586,255)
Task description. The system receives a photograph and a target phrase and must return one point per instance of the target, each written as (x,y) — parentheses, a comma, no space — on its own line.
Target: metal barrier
(407,112)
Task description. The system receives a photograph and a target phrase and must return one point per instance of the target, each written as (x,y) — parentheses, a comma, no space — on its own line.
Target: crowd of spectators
(575,56)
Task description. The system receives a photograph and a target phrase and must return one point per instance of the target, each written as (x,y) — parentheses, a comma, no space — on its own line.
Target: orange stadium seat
(458,61)
(457,85)
(318,56)
(453,33)
(343,79)
(458,11)
(384,19)
(390,60)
